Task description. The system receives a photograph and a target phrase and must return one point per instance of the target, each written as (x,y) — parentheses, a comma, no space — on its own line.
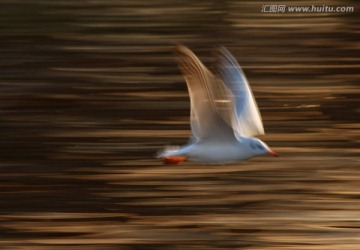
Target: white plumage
(224,114)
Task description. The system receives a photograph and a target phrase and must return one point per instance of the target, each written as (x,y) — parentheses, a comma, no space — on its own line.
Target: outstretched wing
(206,123)
(246,120)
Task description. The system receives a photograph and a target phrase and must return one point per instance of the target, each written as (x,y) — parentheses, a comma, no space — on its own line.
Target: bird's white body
(212,152)
(217,153)
(224,114)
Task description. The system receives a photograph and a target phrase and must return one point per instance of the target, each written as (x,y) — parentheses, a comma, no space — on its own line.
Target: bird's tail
(171,155)
(167,151)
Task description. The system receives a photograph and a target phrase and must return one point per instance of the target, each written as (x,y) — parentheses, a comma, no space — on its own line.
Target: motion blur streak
(90,89)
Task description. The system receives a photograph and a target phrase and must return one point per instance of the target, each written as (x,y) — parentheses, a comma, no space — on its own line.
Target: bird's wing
(246,120)
(203,86)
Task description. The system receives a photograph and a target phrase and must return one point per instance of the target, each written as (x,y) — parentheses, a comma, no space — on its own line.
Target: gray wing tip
(225,56)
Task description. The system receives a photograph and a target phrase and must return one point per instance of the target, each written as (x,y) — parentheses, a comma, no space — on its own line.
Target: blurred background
(89,91)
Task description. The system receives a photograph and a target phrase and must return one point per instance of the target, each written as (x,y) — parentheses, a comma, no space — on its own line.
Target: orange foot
(173,160)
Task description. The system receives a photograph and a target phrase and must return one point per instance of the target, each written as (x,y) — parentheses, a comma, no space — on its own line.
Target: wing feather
(206,123)
(246,119)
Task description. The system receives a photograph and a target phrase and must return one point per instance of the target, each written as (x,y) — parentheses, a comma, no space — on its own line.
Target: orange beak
(272,153)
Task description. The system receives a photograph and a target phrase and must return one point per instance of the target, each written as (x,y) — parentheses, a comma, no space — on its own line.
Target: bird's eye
(252,145)
(259,146)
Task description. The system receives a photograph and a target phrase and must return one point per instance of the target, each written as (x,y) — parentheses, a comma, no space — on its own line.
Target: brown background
(89,91)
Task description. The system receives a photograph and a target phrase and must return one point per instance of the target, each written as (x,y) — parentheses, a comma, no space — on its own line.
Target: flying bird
(224,115)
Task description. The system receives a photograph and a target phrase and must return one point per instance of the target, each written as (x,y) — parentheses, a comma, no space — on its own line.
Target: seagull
(224,115)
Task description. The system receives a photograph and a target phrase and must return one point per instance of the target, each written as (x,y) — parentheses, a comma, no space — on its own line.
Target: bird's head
(257,147)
